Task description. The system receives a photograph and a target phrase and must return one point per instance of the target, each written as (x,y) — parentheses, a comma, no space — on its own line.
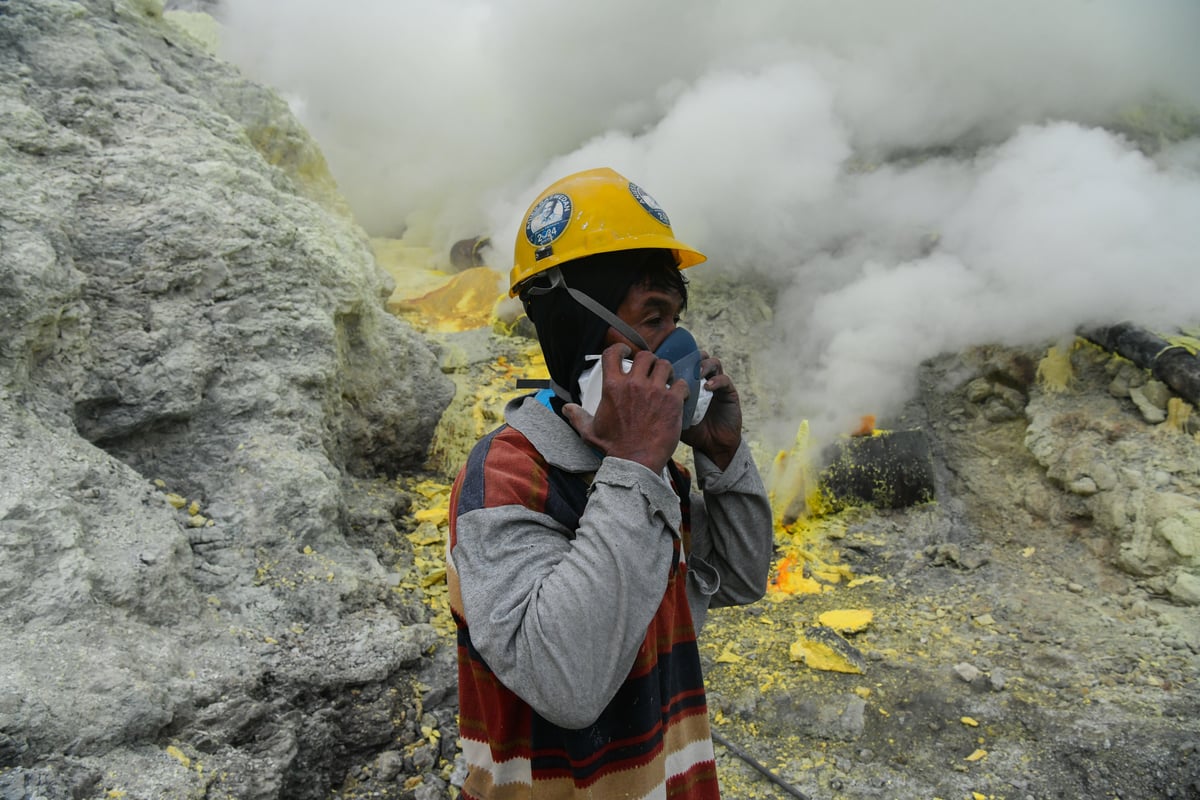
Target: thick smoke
(913,177)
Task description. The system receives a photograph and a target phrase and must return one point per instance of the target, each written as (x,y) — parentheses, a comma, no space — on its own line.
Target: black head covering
(567,331)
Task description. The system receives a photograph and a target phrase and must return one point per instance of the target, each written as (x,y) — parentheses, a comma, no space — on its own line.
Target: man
(580,565)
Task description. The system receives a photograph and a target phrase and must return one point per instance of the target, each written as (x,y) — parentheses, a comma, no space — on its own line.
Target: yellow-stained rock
(433,576)
(201,27)
(436,515)
(426,535)
(728,656)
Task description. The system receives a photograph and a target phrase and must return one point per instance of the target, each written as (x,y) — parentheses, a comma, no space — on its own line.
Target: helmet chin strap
(556,280)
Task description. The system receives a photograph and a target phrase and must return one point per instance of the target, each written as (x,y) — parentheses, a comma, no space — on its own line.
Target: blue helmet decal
(649,203)
(548,219)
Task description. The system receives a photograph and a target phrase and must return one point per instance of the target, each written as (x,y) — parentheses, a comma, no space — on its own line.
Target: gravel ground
(1007,657)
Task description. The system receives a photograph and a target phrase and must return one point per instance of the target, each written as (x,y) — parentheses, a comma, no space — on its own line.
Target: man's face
(653,312)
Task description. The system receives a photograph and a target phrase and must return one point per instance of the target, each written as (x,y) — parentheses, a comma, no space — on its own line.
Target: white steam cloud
(914,177)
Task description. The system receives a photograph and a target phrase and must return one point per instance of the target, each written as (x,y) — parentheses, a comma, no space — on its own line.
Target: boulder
(197,375)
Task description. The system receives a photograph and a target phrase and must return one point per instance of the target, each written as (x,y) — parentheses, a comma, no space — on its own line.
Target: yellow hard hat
(589,212)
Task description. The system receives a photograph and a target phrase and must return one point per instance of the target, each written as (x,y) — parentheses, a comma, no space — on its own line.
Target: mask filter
(681,350)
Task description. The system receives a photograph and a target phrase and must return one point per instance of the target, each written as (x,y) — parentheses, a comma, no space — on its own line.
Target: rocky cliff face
(201,401)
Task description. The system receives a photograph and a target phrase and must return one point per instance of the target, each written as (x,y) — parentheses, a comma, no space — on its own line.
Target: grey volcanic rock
(1141,480)
(198,384)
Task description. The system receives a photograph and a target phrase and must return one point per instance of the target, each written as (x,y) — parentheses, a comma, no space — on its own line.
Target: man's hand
(719,434)
(639,417)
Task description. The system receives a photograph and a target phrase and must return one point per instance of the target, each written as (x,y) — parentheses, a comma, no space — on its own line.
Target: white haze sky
(780,137)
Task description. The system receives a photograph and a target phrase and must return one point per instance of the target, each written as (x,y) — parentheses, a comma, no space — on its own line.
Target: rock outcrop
(1135,476)
(202,399)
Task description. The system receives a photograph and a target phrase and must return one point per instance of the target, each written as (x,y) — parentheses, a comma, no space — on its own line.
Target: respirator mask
(681,350)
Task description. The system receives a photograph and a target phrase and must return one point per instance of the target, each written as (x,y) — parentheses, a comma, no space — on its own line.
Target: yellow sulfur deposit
(822,648)
(1178,413)
(463,303)
(849,620)
(832,573)
(178,755)
(436,515)
(427,575)
(790,578)
(433,576)
(1189,342)
(1054,371)
(728,656)
(792,479)
(803,568)
(431,490)
(415,268)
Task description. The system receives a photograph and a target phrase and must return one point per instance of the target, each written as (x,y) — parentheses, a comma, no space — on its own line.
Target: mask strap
(562,393)
(556,280)
(545,383)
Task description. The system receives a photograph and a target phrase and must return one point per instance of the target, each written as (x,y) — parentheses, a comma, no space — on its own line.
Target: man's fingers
(718,382)
(646,363)
(580,420)
(611,358)
(662,371)
(710,367)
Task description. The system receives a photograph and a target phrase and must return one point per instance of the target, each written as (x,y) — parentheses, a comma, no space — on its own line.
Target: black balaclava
(567,331)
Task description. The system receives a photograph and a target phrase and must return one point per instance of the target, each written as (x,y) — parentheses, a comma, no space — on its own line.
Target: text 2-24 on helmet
(589,212)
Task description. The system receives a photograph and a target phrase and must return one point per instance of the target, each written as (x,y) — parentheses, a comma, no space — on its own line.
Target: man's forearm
(560,620)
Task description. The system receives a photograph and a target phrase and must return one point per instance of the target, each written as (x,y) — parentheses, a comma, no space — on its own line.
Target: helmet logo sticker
(649,203)
(548,220)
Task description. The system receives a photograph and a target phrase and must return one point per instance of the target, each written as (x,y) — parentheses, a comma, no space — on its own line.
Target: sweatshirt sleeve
(558,614)
(732,534)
